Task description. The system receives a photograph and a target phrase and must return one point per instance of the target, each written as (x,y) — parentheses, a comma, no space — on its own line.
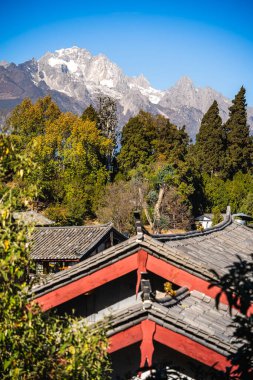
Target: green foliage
(217,217)
(239,143)
(29,120)
(136,142)
(238,188)
(147,139)
(90,114)
(170,143)
(247,204)
(71,160)
(219,192)
(36,345)
(210,142)
(76,158)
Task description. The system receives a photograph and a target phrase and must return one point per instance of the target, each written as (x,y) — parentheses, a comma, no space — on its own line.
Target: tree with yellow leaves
(36,345)
(71,158)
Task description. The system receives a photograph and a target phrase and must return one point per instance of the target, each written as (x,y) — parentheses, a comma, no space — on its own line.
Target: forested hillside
(83,176)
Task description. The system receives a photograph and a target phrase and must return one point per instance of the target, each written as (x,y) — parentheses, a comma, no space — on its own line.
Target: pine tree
(210,142)
(239,145)
(170,143)
(90,114)
(138,136)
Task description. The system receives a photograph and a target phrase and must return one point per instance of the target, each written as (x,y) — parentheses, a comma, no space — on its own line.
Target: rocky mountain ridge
(75,78)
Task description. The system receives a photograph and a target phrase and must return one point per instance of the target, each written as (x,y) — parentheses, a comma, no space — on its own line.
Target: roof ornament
(146,290)
(138,226)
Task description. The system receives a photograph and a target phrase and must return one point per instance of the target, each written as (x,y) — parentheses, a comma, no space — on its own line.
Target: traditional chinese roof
(195,253)
(217,250)
(68,243)
(195,317)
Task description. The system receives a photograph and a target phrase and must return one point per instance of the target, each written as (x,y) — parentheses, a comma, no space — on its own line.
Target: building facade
(123,287)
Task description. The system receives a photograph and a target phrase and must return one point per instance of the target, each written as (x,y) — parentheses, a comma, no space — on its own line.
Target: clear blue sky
(209,41)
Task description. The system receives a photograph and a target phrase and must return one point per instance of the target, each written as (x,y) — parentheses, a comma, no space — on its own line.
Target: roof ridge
(109,224)
(159,313)
(218,227)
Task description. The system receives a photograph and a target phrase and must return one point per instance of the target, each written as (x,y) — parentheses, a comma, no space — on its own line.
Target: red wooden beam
(182,278)
(87,283)
(191,348)
(125,338)
(170,339)
(141,261)
(142,264)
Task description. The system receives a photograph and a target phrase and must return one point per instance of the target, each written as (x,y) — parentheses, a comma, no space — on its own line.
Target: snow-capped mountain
(75,78)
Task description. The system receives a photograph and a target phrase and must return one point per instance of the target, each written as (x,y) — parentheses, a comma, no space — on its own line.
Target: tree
(238,188)
(215,193)
(28,120)
(71,170)
(239,143)
(90,114)
(36,345)
(170,143)
(150,138)
(164,192)
(217,217)
(118,203)
(247,205)
(70,155)
(108,125)
(137,142)
(210,144)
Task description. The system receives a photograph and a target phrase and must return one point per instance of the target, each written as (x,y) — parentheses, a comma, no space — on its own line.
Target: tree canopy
(210,142)
(77,156)
(36,345)
(239,143)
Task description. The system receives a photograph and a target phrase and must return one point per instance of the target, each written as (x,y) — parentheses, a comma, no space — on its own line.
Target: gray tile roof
(194,317)
(219,249)
(195,254)
(67,243)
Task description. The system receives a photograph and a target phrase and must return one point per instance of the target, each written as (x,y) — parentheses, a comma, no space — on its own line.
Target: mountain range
(75,79)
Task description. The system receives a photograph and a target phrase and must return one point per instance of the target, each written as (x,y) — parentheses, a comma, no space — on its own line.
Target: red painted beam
(87,283)
(182,278)
(139,261)
(170,339)
(141,267)
(125,338)
(191,348)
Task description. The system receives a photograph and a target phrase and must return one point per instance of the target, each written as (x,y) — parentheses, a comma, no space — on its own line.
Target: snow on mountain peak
(73,70)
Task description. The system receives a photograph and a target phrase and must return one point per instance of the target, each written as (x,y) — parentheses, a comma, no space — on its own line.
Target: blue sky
(209,41)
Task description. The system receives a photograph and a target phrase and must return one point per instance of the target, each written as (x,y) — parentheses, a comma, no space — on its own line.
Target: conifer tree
(210,142)
(137,140)
(239,145)
(90,114)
